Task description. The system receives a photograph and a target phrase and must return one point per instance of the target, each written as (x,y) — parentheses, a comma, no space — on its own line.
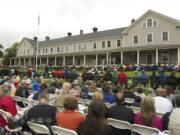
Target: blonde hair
(67,86)
(147,110)
(161,92)
(97,96)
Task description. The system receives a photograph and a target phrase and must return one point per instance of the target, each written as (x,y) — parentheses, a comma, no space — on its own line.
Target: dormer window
(154,23)
(149,22)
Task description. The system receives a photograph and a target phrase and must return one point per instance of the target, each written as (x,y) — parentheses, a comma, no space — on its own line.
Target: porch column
(19,61)
(29,61)
(64,60)
(110,59)
(96,59)
(55,61)
(47,62)
(24,61)
(73,60)
(157,57)
(40,62)
(137,57)
(84,60)
(178,55)
(107,56)
(121,57)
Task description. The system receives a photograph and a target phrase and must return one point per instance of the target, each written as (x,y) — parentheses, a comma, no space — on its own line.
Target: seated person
(147,116)
(95,123)
(69,118)
(174,122)
(108,97)
(41,113)
(120,112)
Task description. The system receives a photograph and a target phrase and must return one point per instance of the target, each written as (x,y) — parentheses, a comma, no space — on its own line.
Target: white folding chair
(38,128)
(62,131)
(87,101)
(108,105)
(129,100)
(144,130)
(119,124)
(17,130)
(160,114)
(17,98)
(135,109)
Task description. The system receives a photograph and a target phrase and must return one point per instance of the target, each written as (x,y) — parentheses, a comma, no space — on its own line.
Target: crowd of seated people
(64,94)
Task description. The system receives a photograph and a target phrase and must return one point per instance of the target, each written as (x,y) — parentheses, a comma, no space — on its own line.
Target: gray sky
(18,18)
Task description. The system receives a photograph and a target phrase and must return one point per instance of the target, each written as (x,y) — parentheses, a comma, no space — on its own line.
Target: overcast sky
(18,18)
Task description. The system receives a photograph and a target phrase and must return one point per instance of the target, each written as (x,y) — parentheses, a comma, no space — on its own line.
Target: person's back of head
(70,103)
(119,97)
(43,98)
(66,87)
(107,88)
(161,92)
(147,110)
(140,90)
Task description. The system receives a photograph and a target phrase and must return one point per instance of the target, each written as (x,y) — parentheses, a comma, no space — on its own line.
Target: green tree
(10,52)
(1,50)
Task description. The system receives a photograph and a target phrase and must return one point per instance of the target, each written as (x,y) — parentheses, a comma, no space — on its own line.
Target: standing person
(7,104)
(172,80)
(144,78)
(122,78)
(107,76)
(154,80)
(162,78)
(147,116)
(95,123)
(46,71)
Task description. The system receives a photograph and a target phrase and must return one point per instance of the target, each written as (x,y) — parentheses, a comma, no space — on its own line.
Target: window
(62,48)
(43,50)
(144,25)
(118,43)
(46,50)
(79,47)
(165,36)
(94,45)
(136,39)
(28,51)
(51,50)
(109,43)
(149,22)
(103,44)
(39,50)
(66,48)
(154,23)
(58,49)
(149,38)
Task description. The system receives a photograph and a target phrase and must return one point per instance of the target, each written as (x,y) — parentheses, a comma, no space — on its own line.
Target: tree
(1,50)
(10,52)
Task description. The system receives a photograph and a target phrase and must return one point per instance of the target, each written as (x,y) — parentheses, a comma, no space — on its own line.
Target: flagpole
(37,43)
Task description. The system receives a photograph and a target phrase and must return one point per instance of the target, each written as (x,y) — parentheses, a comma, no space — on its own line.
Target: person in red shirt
(6,103)
(69,118)
(122,78)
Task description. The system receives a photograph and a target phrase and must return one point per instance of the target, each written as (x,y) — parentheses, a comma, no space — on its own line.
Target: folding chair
(160,114)
(87,101)
(135,109)
(144,130)
(62,131)
(108,105)
(119,124)
(17,130)
(129,100)
(38,128)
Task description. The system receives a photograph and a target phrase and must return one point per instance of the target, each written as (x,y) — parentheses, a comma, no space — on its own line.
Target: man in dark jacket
(154,80)
(120,112)
(172,80)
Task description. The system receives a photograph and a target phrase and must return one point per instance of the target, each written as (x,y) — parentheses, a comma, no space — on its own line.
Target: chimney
(47,38)
(81,32)
(69,34)
(95,29)
(133,21)
(35,38)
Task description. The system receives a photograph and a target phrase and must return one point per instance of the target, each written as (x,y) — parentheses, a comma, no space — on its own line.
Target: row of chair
(134,128)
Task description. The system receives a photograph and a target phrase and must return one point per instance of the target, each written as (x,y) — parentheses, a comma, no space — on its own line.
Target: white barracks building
(151,39)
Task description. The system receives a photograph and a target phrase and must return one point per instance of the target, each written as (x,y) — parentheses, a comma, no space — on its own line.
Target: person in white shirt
(162,104)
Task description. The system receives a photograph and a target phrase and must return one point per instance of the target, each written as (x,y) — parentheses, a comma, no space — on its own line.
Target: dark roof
(88,36)
(31,41)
